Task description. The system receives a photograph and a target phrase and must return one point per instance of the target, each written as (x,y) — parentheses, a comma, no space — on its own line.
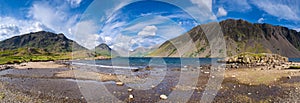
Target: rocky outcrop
(262,58)
(262,61)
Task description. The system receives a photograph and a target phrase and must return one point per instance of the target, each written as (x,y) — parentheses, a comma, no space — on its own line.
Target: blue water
(294,59)
(150,61)
(140,62)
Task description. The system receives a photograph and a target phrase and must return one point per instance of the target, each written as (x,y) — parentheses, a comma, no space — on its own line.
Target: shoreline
(38,79)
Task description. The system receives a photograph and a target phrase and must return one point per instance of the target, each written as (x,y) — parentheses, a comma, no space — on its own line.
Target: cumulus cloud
(148,31)
(205,3)
(86,34)
(260,20)
(288,10)
(74,3)
(53,17)
(221,12)
(10,27)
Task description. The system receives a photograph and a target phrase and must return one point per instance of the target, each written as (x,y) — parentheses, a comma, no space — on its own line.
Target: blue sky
(127,25)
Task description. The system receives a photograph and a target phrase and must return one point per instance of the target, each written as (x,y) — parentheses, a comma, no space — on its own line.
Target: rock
(135,70)
(23,64)
(130,97)
(206,72)
(163,97)
(289,77)
(148,68)
(130,90)
(119,83)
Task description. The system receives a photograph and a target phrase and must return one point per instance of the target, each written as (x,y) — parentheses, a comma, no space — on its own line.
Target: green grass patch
(294,67)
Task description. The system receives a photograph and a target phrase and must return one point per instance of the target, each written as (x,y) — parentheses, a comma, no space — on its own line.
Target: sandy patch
(78,74)
(256,77)
(38,65)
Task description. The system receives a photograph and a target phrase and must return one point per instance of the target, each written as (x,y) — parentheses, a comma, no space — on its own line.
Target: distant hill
(142,51)
(104,50)
(240,36)
(46,41)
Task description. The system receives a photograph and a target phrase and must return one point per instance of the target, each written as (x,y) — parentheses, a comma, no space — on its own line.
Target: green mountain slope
(240,36)
(40,46)
(104,50)
(47,41)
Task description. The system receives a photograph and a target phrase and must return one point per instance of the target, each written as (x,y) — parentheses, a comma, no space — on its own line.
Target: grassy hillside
(41,46)
(240,36)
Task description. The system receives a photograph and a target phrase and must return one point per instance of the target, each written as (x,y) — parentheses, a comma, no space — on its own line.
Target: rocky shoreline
(56,82)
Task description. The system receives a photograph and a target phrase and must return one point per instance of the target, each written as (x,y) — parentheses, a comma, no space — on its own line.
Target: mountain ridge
(240,36)
(47,41)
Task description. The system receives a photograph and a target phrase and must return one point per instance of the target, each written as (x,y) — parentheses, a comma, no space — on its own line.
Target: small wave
(104,66)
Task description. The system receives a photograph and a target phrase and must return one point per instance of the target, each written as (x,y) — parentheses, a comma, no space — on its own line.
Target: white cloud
(170,31)
(205,3)
(288,10)
(297,29)
(148,31)
(55,17)
(221,12)
(260,20)
(86,34)
(10,27)
(74,3)
(147,21)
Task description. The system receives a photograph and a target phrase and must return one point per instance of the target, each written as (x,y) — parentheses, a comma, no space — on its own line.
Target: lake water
(294,59)
(140,62)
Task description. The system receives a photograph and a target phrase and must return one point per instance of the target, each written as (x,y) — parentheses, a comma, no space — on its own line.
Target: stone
(119,83)
(163,97)
(130,90)
(289,77)
(130,97)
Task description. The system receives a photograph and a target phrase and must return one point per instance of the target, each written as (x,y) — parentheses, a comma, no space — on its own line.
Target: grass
(31,55)
(28,58)
(294,67)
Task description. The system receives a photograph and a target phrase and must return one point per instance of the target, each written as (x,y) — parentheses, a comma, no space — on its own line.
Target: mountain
(240,36)
(142,51)
(47,41)
(104,50)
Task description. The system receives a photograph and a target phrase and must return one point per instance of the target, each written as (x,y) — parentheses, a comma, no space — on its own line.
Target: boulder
(163,97)
(130,97)
(119,83)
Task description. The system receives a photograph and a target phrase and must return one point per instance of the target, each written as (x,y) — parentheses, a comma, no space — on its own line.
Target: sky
(130,24)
